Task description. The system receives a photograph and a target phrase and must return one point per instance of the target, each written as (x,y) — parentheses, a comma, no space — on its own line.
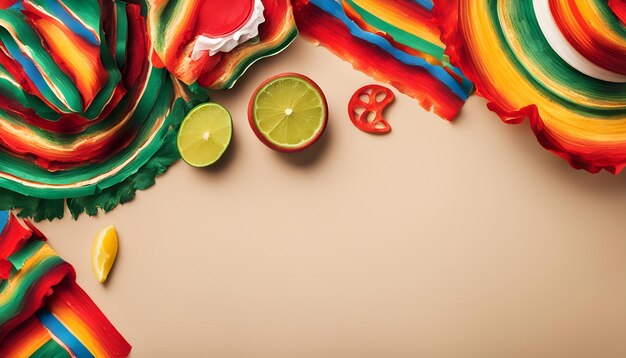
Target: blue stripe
(71,23)
(465,83)
(333,8)
(4,219)
(29,66)
(68,20)
(63,334)
(427,4)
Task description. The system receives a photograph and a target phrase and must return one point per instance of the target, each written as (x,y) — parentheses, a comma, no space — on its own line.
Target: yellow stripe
(13,284)
(30,345)
(176,25)
(73,322)
(85,68)
(518,92)
(248,50)
(514,41)
(599,24)
(401,21)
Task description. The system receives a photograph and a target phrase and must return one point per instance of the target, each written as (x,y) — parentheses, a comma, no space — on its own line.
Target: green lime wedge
(205,134)
(288,112)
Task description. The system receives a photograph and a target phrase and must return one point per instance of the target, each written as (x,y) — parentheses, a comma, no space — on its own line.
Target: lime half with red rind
(288,112)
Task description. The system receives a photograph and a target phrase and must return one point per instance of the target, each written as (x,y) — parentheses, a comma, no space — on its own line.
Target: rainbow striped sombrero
(560,63)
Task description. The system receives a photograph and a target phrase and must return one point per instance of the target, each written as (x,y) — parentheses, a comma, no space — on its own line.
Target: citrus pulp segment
(205,134)
(288,112)
(104,252)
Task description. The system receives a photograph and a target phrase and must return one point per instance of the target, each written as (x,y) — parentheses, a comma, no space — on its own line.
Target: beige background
(438,240)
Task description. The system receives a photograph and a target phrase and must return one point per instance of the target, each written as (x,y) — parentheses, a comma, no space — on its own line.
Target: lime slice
(104,252)
(205,134)
(288,112)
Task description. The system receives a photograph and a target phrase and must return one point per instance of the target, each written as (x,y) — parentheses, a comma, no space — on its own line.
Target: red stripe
(276,15)
(23,337)
(88,91)
(413,81)
(586,38)
(13,237)
(70,297)
(619,8)
(36,296)
(134,74)
(610,158)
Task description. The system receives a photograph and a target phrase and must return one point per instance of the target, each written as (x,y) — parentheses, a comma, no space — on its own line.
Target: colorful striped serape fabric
(394,41)
(43,312)
(560,63)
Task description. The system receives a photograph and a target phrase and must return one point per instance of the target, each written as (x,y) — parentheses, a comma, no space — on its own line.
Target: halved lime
(288,112)
(205,134)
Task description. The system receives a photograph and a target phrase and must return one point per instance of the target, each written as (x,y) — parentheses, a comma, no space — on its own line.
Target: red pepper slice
(360,119)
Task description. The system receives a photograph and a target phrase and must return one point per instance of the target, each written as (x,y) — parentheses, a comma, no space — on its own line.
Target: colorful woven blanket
(43,312)
(394,41)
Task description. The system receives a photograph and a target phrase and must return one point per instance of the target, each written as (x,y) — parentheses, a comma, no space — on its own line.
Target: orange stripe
(25,340)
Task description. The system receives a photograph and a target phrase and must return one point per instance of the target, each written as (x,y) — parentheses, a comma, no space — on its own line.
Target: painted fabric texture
(559,63)
(394,41)
(85,116)
(619,8)
(88,108)
(176,24)
(44,313)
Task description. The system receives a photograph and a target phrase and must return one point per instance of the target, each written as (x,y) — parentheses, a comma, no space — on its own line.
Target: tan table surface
(462,239)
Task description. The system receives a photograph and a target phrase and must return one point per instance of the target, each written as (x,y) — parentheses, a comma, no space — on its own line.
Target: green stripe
(121,34)
(51,349)
(13,91)
(398,34)
(15,303)
(245,63)
(613,21)
(5,283)
(548,62)
(32,172)
(63,139)
(19,258)
(87,11)
(29,38)
(104,95)
(165,19)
